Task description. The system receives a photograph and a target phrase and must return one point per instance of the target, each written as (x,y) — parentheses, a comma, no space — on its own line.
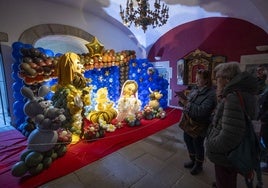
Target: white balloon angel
(128,103)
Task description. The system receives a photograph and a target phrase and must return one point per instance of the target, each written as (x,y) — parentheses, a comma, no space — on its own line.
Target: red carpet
(78,155)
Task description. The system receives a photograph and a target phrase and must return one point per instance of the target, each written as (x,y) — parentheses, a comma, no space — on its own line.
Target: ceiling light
(143,16)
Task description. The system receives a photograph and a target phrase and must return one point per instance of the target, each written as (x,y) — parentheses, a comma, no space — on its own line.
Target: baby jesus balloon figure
(128,104)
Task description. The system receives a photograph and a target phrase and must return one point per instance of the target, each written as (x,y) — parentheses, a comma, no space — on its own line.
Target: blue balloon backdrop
(144,73)
(140,70)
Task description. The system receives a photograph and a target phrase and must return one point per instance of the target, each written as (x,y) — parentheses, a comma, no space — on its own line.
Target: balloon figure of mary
(128,104)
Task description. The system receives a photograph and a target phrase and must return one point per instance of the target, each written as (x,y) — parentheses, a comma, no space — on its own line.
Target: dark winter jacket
(263,107)
(201,105)
(228,126)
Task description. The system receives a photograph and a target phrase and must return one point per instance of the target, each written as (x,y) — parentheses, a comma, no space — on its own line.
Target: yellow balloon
(95,48)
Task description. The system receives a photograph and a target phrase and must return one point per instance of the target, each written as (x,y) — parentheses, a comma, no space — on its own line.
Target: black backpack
(246,157)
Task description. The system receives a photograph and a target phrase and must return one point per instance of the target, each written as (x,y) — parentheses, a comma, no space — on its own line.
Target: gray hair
(227,70)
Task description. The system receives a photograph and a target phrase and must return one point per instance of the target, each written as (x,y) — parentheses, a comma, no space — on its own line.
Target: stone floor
(156,161)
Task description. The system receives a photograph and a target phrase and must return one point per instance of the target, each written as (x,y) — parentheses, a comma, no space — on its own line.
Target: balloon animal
(47,119)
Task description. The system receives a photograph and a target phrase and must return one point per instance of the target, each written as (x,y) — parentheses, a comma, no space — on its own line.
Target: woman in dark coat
(228,125)
(199,106)
(263,117)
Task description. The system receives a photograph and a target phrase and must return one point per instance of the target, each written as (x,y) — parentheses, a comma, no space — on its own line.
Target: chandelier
(143,16)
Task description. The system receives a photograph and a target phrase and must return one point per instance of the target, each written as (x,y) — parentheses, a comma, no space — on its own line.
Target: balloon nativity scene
(66,98)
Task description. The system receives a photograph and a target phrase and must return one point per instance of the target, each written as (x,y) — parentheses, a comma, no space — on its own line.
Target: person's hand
(183,101)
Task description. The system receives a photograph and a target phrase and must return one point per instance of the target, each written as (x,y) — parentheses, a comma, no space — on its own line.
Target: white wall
(21,15)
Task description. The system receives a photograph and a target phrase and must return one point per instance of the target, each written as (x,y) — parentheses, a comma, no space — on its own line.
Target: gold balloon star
(134,64)
(107,73)
(100,78)
(95,48)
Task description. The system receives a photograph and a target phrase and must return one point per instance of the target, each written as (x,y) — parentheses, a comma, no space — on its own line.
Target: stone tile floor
(156,161)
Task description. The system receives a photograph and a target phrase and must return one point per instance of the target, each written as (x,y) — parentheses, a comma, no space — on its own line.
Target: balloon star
(100,78)
(95,48)
(107,73)
(89,80)
(138,70)
(134,64)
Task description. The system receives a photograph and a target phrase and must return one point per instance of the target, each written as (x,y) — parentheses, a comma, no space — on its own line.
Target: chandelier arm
(143,16)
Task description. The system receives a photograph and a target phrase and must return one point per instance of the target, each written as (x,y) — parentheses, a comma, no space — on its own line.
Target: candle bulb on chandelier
(143,16)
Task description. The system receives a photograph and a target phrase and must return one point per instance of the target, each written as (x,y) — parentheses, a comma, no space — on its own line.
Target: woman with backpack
(263,117)
(229,122)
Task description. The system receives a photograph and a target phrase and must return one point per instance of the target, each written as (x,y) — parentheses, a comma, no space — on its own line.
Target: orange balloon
(101,65)
(104,58)
(96,65)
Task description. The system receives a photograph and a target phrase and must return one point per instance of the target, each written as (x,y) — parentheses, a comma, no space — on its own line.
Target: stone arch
(31,35)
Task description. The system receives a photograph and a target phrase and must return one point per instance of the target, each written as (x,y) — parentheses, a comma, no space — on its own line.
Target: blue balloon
(19,114)
(16,54)
(164,92)
(52,82)
(15,67)
(58,54)
(28,46)
(49,53)
(17,96)
(16,86)
(87,74)
(41,49)
(15,76)
(19,120)
(49,96)
(17,45)
(141,98)
(18,105)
